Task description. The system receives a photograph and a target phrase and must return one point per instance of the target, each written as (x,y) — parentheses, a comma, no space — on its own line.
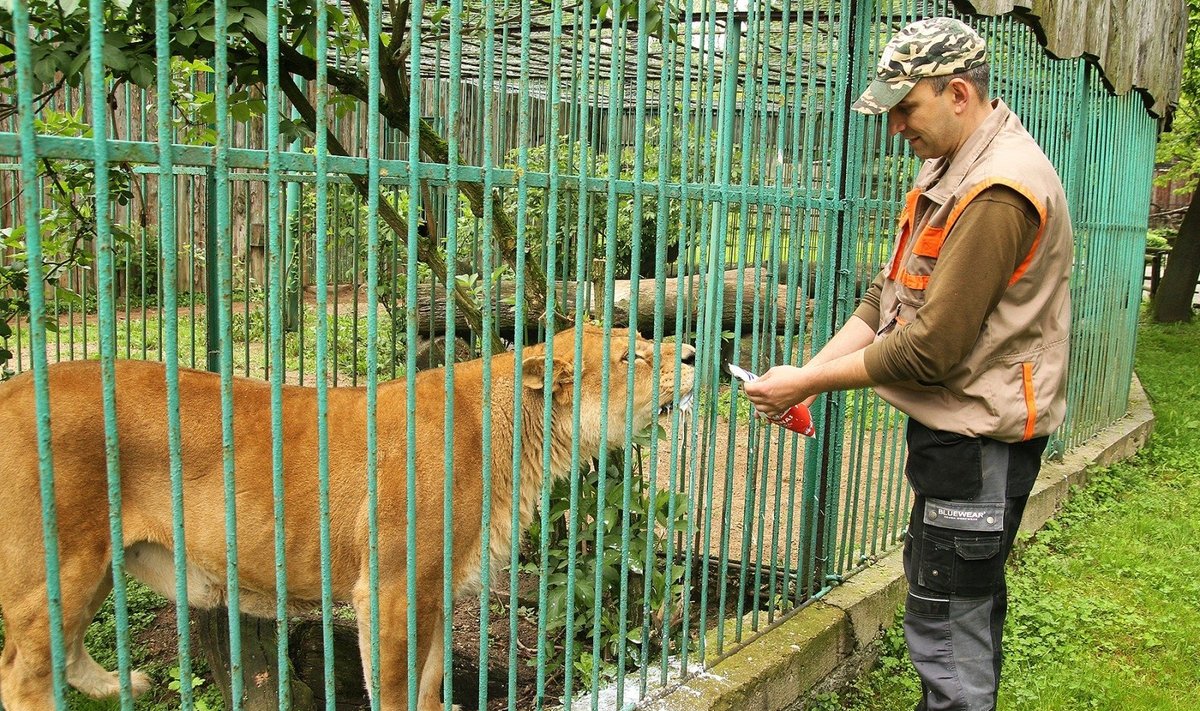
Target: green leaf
(45,70)
(115,57)
(240,112)
(255,23)
(185,37)
(142,75)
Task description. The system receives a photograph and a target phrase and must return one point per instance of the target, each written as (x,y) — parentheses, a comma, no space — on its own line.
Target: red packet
(797,418)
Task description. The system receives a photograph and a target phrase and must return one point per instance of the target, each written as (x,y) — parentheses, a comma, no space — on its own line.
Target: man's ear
(963,92)
(533,371)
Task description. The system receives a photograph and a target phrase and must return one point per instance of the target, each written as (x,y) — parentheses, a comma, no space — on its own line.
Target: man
(966,330)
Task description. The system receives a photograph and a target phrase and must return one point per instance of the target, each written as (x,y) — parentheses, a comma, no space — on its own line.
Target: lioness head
(589,368)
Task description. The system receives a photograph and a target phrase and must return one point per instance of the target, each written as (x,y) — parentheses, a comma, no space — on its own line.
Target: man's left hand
(776,390)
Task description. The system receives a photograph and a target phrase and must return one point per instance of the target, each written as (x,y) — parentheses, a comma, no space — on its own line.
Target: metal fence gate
(287,201)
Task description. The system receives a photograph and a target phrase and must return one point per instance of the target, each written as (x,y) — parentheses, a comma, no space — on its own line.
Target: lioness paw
(140,681)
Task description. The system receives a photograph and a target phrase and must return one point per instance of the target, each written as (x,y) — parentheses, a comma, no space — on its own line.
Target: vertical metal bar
(452,210)
(488,80)
(523,130)
(107,327)
(167,315)
(551,245)
(666,101)
(276,296)
(643,40)
(220,232)
(613,146)
(581,231)
(37,340)
(374,84)
(411,318)
(321,257)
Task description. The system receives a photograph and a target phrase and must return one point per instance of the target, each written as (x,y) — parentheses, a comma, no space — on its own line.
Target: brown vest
(1012,385)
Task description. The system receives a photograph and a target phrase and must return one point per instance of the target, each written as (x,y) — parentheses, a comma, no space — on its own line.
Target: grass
(143,338)
(1103,600)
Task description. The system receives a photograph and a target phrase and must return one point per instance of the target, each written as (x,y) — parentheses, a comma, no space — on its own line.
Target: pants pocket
(965,563)
(943,465)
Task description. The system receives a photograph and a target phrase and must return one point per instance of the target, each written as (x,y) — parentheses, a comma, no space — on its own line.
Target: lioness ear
(533,373)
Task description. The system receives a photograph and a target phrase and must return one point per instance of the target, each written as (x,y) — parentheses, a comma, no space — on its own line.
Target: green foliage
(1157,238)
(648,527)
(67,226)
(1178,148)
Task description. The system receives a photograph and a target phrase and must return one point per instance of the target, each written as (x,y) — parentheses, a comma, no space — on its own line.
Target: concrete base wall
(831,639)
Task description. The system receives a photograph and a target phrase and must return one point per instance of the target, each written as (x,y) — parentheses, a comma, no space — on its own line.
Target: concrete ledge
(780,668)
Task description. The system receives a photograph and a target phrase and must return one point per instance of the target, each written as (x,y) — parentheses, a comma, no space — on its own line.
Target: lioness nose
(688,355)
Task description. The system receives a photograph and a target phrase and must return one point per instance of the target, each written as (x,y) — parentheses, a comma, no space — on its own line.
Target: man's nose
(895,123)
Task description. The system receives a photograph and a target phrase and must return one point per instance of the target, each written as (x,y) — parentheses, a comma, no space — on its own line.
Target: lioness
(85,553)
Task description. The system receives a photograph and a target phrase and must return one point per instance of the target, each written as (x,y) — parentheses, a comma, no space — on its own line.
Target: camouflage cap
(929,48)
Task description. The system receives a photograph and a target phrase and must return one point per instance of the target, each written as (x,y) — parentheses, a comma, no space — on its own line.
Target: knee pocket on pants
(960,562)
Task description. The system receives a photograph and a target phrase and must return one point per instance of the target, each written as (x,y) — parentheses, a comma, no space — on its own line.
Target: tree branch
(426,251)
(393,107)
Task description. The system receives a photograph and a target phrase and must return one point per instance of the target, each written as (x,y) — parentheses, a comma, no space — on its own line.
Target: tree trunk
(1173,302)
(259,661)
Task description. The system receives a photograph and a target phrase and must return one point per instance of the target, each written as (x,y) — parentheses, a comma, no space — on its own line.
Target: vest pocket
(929,243)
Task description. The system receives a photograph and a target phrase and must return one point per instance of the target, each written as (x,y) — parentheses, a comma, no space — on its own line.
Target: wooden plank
(1137,44)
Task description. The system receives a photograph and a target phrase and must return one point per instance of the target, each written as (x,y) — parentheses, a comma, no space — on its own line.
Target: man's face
(927,121)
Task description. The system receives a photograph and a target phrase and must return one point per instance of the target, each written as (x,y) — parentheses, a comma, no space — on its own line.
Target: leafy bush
(1159,238)
(649,529)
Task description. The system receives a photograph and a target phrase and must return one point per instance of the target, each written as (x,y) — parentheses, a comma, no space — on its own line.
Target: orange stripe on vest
(1030,401)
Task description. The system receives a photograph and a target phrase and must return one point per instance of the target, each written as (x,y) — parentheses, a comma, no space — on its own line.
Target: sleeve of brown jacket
(986,245)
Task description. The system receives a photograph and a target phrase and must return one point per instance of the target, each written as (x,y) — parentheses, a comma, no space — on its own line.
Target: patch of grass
(1103,600)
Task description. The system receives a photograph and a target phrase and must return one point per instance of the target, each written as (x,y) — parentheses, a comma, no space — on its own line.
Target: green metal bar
(37,337)
(222,236)
(410,313)
(710,322)
(523,130)
(107,328)
(551,264)
(169,305)
(753,487)
(452,210)
(666,98)
(610,257)
(488,80)
(321,257)
(761,436)
(374,82)
(702,239)
(276,296)
(581,231)
(643,44)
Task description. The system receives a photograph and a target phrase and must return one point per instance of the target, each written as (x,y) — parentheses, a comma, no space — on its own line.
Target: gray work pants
(970,496)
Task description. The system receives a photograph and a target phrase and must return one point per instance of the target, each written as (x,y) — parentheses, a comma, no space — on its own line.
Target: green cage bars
(691,169)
